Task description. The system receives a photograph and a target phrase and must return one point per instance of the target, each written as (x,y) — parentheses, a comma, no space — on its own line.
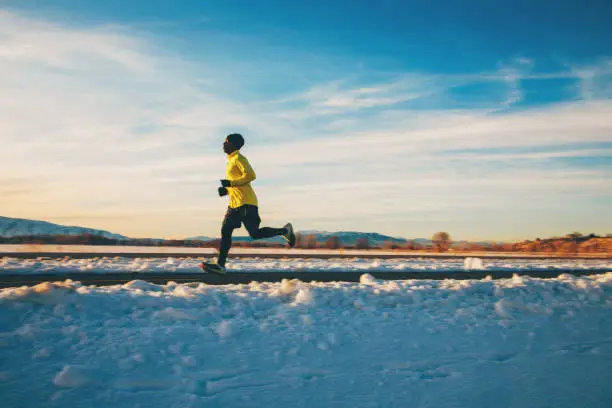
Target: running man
(242,204)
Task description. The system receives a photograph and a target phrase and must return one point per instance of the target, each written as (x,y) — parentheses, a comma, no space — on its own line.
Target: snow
(189,264)
(72,377)
(521,341)
(473,263)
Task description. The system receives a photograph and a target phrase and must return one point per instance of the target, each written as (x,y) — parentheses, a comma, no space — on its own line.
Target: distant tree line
(442,242)
(84,239)
(91,239)
(572,243)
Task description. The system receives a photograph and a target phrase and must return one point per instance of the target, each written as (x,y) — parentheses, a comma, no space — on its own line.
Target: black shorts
(246,214)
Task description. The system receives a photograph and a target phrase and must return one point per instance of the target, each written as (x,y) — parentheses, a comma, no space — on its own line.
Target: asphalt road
(8,280)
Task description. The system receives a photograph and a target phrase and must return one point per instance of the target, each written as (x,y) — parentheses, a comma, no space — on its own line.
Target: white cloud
(86,113)
(595,80)
(416,136)
(334,97)
(103,127)
(50,45)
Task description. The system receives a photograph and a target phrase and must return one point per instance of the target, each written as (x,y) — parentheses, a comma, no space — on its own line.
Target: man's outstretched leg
(252,221)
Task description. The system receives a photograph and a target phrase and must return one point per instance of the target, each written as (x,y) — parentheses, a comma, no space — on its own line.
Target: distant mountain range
(351,237)
(11,227)
(346,237)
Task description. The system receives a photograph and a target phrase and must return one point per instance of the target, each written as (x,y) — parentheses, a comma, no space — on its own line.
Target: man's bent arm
(248,174)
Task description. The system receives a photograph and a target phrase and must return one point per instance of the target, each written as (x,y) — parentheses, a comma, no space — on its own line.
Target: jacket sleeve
(248,174)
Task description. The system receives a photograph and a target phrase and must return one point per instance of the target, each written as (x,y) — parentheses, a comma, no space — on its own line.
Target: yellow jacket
(240,174)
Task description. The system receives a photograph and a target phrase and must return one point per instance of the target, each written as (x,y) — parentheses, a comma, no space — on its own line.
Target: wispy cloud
(512,74)
(595,80)
(110,129)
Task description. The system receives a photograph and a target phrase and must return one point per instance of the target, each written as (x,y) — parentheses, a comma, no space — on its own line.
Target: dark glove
(222,191)
(226,183)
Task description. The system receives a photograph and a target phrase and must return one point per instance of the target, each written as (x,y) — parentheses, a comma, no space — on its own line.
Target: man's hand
(222,191)
(226,183)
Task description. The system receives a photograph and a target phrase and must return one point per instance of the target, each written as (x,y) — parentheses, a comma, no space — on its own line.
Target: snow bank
(72,376)
(375,343)
(191,265)
(473,264)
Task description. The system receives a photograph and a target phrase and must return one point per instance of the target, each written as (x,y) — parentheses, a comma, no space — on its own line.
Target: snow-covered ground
(9,265)
(520,342)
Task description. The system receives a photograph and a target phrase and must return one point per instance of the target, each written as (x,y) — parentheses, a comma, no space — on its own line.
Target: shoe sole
(289,241)
(211,270)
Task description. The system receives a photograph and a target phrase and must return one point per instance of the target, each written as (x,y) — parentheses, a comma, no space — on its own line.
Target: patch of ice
(307,319)
(171,313)
(501,308)
(47,293)
(72,376)
(225,329)
(142,285)
(367,279)
(287,286)
(189,361)
(304,296)
(44,352)
(473,264)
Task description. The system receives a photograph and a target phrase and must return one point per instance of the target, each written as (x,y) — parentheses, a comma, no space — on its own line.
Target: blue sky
(489,120)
